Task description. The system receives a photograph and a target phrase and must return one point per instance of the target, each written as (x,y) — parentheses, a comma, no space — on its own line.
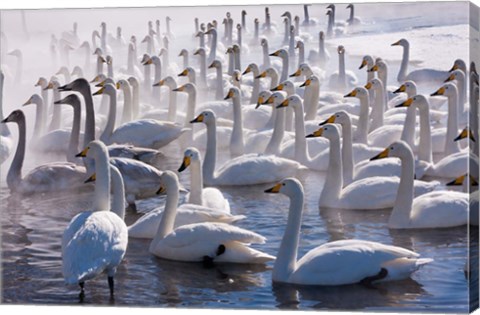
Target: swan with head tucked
(208,242)
(357,195)
(338,262)
(50,177)
(96,241)
(436,209)
(249,169)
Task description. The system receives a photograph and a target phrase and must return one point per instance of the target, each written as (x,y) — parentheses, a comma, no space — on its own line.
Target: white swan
(430,77)
(437,209)
(469,185)
(247,169)
(96,241)
(207,242)
(358,195)
(147,133)
(210,197)
(50,177)
(339,262)
(342,79)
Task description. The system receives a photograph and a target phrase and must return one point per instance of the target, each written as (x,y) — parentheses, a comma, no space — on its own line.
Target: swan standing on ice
(339,262)
(96,241)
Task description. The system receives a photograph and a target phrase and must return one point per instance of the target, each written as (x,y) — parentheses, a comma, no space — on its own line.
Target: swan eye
(283,184)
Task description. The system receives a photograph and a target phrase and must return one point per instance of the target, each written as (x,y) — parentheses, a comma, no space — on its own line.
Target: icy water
(32,226)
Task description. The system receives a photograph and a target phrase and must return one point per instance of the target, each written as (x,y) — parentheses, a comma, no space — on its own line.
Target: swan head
(329,131)
(108,89)
(34,99)
(215,64)
(187,88)
(53,84)
(77,71)
(379,66)
(366,61)
(199,34)
(77,85)
(42,82)
(234,92)
(417,100)
(302,69)
(16,53)
(70,99)
(299,44)
(399,149)
(459,64)
(358,92)
(85,44)
(15,116)
(262,97)
(206,117)
(276,98)
(264,42)
(63,70)
(374,84)
(256,21)
(191,154)
(408,87)
(93,149)
(292,100)
(236,48)
(185,72)
(402,42)
(239,27)
(456,74)
(289,186)
(340,117)
(183,52)
(280,53)
(122,84)
(98,51)
(341,50)
(147,60)
(448,89)
(146,39)
(331,6)
(465,133)
(460,180)
(311,81)
(99,78)
(133,82)
(108,60)
(104,82)
(349,6)
(286,14)
(251,68)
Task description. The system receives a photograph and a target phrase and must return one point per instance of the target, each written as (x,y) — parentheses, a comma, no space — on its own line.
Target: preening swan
(249,169)
(436,209)
(339,262)
(96,241)
(207,242)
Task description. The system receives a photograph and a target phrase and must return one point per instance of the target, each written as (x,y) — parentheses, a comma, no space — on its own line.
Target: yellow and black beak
(117,85)
(198,119)
(99,91)
(455,67)
(101,83)
(161,190)
(373,69)
(450,78)
(261,75)
(296,73)
(330,120)
(351,94)
(179,89)
(306,83)
(183,73)
(369,85)
(457,181)
(38,82)
(363,64)
(396,43)
(407,103)
(248,70)
(275,189)
(229,95)
(275,54)
(159,83)
(466,132)
(381,155)
(29,101)
(149,61)
(91,178)
(83,153)
(185,164)
(440,91)
(260,101)
(278,88)
(316,134)
(282,104)
(402,88)
(49,86)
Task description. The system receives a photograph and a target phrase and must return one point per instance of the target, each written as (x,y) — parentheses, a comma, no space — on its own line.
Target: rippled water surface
(32,226)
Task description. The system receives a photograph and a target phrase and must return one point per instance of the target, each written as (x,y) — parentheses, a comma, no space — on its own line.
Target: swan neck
(196,183)
(378,109)
(89,134)
(135,101)
(102,183)
(112,115)
(14,176)
(285,66)
(118,193)
(75,134)
(408,132)
(210,154)
(39,128)
(347,153)
(172,102)
(273,146)
(425,141)
(191,104)
(312,96)
(402,73)
(301,153)
(400,215)
(362,128)
(256,88)
(332,191)
(219,90)
(286,261)
(237,144)
(452,125)
(213,47)
(127,105)
(169,214)
(57,111)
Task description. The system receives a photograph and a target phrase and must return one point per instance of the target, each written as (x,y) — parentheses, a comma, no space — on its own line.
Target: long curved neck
(256,31)
(462,91)
(103,39)
(266,57)
(112,115)
(147,81)
(191,104)
(286,33)
(301,55)
(330,25)
(130,62)
(203,69)
(286,261)
(75,133)
(118,193)
(425,142)
(347,153)
(219,88)
(4,130)
(102,183)
(273,146)
(127,105)
(352,14)
(301,152)
(57,112)
(168,220)
(408,132)
(237,144)
(39,128)
(238,64)
(89,134)
(400,215)
(256,87)
(378,109)
(341,70)
(334,180)
(452,124)
(172,101)
(14,176)
(362,128)
(213,48)
(208,167)
(196,183)
(383,77)
(99,65)
(231,63)
(402,73)
(185,61)
(135,101)
(285,65)
(273,80)
(47,111)
(312,97)
(305,13)
(271,121)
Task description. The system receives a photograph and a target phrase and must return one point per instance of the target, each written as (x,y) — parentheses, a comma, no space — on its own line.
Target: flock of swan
(380,146)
